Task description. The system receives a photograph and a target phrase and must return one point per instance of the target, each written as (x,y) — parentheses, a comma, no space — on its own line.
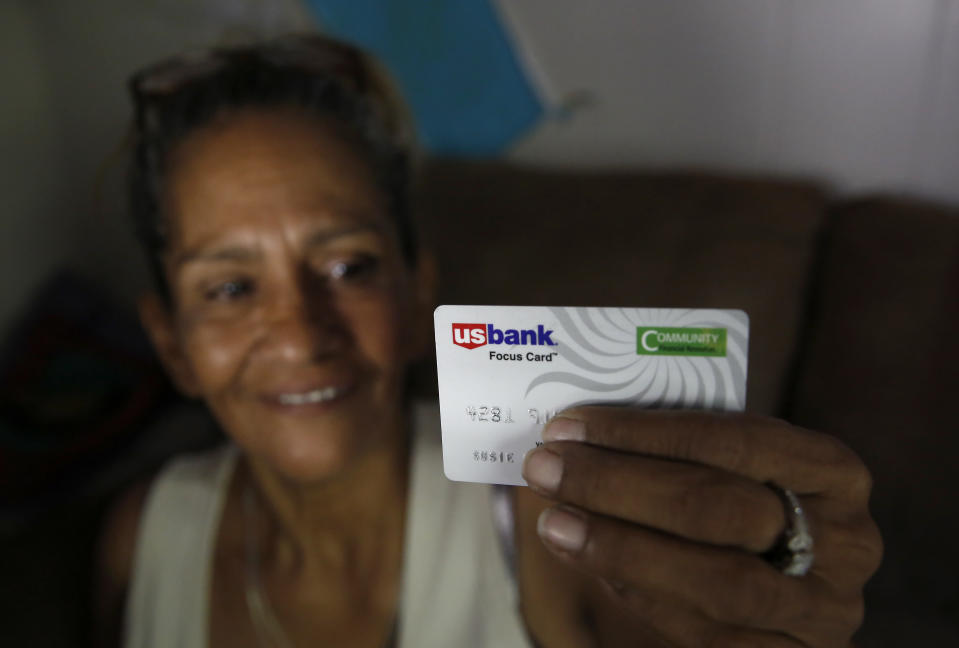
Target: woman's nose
(304,324)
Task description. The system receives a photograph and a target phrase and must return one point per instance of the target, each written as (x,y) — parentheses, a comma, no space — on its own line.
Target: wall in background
(30,157)
(64,115)
(861,93)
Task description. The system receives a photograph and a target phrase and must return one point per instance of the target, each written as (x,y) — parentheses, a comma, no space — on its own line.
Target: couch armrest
(880,371)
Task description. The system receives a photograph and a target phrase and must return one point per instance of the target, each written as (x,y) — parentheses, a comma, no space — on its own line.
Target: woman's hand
(671,510)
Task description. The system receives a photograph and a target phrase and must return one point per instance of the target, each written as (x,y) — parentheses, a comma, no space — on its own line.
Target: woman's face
(294,314)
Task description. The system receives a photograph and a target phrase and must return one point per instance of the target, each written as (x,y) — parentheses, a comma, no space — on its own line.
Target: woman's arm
(115,564)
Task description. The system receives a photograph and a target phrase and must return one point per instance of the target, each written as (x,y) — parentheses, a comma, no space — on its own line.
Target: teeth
(315,396)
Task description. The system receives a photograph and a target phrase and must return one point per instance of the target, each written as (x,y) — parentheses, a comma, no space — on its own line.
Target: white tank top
(457,589)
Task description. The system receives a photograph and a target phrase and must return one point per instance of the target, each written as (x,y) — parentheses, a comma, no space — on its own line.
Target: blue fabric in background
(454,63)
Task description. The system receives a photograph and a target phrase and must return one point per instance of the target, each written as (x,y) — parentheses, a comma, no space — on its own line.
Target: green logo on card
(671,341)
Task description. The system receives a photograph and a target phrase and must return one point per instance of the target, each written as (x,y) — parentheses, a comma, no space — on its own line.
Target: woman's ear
(158,321)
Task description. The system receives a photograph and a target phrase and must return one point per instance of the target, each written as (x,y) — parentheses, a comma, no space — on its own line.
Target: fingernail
(564,429)
(562,529)
(543,469)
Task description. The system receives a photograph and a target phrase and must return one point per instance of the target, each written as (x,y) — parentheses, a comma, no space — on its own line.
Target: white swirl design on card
(616,372)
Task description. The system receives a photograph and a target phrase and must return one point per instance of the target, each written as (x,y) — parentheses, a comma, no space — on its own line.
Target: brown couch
(851,302)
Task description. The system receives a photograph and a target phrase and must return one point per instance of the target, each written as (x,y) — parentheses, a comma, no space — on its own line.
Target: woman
(270,188)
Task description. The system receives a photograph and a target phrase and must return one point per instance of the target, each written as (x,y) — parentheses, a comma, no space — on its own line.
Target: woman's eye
(353,269)
(230,290)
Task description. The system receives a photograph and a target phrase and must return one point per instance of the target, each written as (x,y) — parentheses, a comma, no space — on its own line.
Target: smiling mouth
(311,397)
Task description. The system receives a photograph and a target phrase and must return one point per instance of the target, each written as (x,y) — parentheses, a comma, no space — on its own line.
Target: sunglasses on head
(306,52)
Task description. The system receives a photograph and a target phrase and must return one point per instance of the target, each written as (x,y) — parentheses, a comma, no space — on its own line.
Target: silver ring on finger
(793,552)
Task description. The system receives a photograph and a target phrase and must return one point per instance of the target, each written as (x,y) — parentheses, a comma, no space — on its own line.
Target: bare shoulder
(115,550)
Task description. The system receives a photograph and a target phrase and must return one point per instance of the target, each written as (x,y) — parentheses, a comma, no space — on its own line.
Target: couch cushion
(511,235)
(881,372)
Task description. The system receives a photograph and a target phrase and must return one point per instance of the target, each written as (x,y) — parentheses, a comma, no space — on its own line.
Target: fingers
(759,448)
(724,586)
(688,500)
(702,504)
(848,550)
(676,624)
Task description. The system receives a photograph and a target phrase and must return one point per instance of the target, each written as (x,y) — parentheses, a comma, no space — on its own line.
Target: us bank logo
(675,341)
(471,336)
